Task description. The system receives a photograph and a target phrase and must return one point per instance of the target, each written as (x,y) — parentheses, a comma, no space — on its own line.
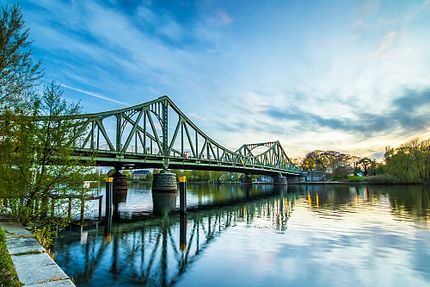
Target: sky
(350,76)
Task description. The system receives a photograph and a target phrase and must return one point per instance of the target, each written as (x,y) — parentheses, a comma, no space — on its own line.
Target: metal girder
(160,131)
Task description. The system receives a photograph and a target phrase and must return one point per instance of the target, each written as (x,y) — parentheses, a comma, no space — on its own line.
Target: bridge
(157,134)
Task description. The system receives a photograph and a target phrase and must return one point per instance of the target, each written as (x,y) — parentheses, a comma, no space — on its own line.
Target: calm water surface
(301,236)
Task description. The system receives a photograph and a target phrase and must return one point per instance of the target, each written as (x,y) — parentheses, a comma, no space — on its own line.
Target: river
(302,235)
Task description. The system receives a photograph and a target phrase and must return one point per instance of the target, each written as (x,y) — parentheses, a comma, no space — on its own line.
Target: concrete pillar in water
(281,189)
(247,180)
(119,183)
(119,190)
(164,192)
(280,180)
(295,179)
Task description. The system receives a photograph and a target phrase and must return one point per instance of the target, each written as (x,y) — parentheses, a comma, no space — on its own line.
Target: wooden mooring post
(183,194)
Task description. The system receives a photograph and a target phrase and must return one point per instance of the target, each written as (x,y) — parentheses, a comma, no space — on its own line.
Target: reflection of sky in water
(364,248)
(365,236)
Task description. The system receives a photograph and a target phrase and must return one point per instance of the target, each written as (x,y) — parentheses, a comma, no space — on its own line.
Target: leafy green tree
(410,162)
(42,160)
(18,73)
(363,165)
(325,160)
(37,132)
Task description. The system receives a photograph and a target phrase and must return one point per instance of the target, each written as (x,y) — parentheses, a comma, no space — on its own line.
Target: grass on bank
(8,276)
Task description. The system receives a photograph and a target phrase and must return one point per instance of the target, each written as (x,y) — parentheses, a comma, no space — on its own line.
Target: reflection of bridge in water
(157,251)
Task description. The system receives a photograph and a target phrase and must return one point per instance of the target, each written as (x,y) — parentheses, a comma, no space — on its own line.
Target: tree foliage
(410,162)
(364,165)
(325,160)
(39,162)
(18,72)
(37,132)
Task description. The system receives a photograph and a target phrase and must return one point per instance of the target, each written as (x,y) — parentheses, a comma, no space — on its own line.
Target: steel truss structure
(158,134)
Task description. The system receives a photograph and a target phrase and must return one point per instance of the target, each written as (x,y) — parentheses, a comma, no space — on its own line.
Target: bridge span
(157,134)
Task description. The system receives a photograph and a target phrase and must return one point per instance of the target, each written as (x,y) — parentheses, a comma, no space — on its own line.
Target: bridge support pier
(119,183)
(246,180)
(164,192)
(118,190)
(280,180)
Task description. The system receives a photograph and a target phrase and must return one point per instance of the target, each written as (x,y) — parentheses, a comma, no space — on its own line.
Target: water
(327,235)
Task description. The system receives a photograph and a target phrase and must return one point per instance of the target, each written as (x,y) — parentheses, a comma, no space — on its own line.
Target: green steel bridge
(157,134)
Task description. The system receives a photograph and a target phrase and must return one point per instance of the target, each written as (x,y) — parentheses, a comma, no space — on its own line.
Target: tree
(18,73)
(363,165)
(410,162)
(325,160)
(42,160)
(18,76)
(37,132)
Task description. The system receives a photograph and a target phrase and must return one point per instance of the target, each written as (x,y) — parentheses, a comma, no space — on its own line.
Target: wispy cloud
(401,115)
(196,116)
(387,43)
(95,95)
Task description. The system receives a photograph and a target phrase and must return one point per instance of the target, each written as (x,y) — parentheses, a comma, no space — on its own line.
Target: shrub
(8,277)
(355,178)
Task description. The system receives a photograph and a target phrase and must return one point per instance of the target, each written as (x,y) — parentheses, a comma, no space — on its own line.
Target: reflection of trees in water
(158,251)
(331,197)
(411,201)
(407,201)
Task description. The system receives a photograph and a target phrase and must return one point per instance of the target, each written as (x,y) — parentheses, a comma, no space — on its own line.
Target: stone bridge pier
(164,192)
(280,180)
(119,182)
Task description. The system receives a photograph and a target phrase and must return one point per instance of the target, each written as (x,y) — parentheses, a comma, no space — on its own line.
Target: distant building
(265,179)
(140,174)
(314,175)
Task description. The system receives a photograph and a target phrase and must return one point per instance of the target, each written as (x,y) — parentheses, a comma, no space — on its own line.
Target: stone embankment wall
(33,265)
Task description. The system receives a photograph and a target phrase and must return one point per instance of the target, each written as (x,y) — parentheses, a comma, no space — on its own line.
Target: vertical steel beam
(144,130)
(197,144)
(182,138)
(118,132)
(165,130)
(93,126)
(165,127)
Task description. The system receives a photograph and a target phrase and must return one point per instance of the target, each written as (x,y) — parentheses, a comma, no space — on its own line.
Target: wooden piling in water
(82,211)
(183,194)
(69,210)
(100,208)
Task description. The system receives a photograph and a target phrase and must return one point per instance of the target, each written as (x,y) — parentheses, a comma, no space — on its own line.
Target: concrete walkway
(33,265)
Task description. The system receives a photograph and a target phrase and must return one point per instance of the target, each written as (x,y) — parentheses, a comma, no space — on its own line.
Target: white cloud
(95,95)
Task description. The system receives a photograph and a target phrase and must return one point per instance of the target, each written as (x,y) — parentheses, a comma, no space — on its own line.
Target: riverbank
(34,267)
(354,183)
(372,180)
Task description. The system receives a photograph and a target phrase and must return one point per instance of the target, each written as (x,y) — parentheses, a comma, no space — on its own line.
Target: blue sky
(352,76)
